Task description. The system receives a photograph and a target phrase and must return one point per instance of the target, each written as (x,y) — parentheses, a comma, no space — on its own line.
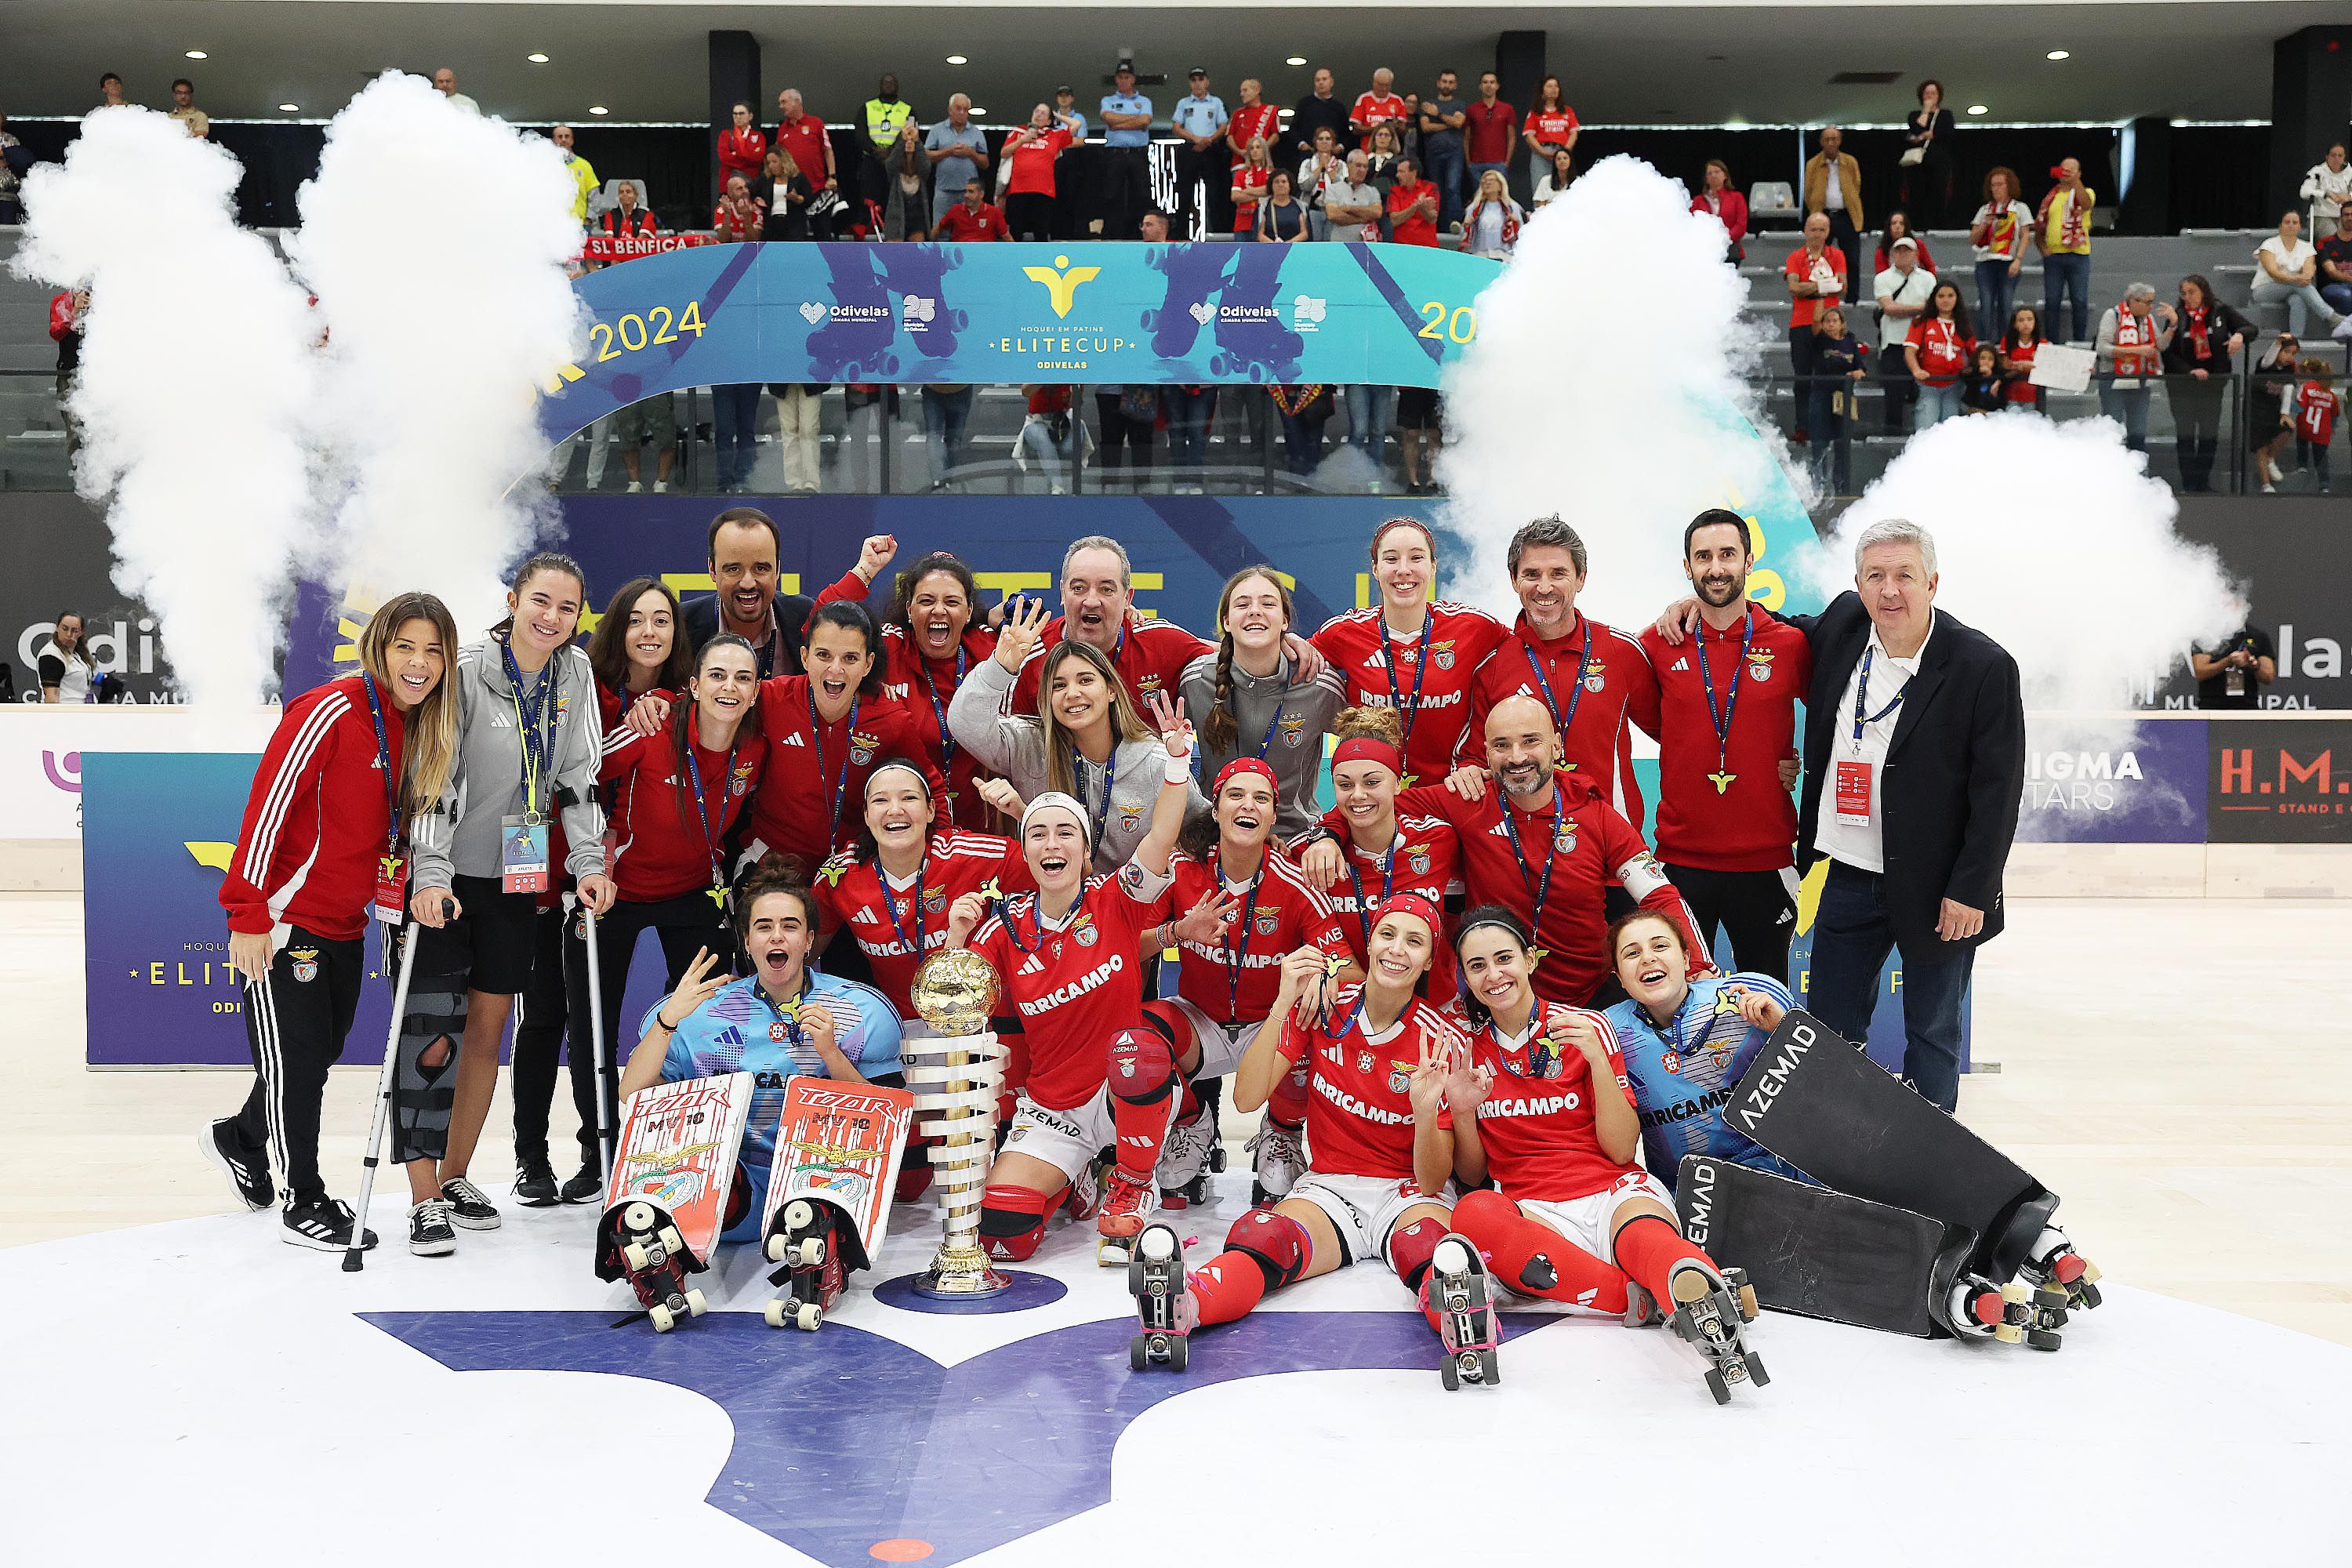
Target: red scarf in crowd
(2132,333)
(2070,229)
(2197,333)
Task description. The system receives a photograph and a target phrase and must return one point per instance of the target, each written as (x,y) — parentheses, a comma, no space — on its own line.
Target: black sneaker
(429,1231)
(535,1186)
(324,1225)
(586,1188)
(468,1209)
(247,1169)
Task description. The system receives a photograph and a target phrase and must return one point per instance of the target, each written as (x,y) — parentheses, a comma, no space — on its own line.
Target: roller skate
(1708,1312)
(2014,1313)
(814,1273)
(1183,1173)
(1127,1203)
(652,1257)
(1642,1308)
(1085,1189)
(1459,1290)
(1164,1304)
(2053,1263)
(1280,1161)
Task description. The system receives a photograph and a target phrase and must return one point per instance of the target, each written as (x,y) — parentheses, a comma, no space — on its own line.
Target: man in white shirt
(445,82)
(1352,206)
(1902,291)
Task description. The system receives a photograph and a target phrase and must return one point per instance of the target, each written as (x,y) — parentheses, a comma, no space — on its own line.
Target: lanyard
(536,744)
(1267,739)
(702,812)
(922,869)
(1861,688)
(1354,1014)
(384,762)
(1236,959)
(1542,889)
(1407,710)
(1671,1036)
(1037,909)
(1575,685)
(939,707)
(789,1017)
(816,740)
(1722,721)
(1388,875)
(1102,817)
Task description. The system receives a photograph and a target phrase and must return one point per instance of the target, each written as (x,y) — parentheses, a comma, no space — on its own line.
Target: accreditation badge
(391,889)
(522,854)
(1851,789)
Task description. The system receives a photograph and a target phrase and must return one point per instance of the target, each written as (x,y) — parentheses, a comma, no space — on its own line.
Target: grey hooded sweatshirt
(461,836)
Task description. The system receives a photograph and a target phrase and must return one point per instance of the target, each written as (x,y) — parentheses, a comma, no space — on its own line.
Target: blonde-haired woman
(352,763)
(1491,226)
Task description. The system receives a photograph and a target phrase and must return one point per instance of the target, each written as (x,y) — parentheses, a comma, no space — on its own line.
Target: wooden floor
(2179,1070)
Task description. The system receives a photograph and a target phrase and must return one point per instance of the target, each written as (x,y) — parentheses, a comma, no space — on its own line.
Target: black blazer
(700,615)
(1954,774)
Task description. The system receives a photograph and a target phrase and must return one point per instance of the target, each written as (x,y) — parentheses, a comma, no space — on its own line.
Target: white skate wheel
(811,1315)
(776,1249)
(800,1214)
(813,1252)
(1452,1256)
(695,1304)
(672,1243)
(776,1313)
(634,1257)
(1158,1245)
(639,1217)
(663,1319)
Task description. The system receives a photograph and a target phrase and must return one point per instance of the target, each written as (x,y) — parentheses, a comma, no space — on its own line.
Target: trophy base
(959,1275)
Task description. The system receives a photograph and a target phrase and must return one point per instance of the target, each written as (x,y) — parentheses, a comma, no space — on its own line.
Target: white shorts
(1365,1209)
(1068,1140)
(1587,1221)
(1221,1049)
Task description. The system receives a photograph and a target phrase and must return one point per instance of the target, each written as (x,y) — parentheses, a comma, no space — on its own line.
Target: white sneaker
(661,486)
(2342,328)
(2270,489)
(636,488)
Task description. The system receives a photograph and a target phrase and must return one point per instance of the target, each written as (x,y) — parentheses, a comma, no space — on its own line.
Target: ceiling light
(957,60)
(2057,55)
(196,54)
(1296,61)
(536,60)
(289,109)
(978,109)
(1979,109)
(598,108)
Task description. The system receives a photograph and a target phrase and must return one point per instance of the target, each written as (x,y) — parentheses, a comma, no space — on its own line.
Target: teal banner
(1387,315)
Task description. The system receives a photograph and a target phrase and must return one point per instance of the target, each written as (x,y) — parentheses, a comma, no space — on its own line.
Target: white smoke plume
(436,241)
(196,376)
(1604,384)
(2054,541)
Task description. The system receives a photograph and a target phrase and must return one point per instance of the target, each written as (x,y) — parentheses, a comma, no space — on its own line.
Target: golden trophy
(956,1070)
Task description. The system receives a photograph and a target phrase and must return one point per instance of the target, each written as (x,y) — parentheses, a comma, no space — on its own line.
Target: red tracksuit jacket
(308,852)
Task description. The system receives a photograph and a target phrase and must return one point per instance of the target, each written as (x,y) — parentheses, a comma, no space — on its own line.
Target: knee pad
(422,1098)
(1013,1221)
(1482,1209)
(1412,1246)
(1142,1066)
(1166,1019)
(1276,1243)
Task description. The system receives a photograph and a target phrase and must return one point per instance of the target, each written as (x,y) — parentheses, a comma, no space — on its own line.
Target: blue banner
(1003,314)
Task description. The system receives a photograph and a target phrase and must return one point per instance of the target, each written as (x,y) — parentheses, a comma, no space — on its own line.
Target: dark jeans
(1117,430)
(945,413)
(1847,238)
(2127,406)
(1831,445)
(1188,408)
(1851,937)
(1029,214)
(734,424)
(1126,187)
(2065,275)
(1996,293)
(1802,345)
(1754,908)
(1302,439)
(1204,184)
(2197,421)
(1444,168)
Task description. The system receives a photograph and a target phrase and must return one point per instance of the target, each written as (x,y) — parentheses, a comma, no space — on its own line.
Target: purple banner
(2143,782)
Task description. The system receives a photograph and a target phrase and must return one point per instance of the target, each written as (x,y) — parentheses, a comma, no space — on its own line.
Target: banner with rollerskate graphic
(843,1144)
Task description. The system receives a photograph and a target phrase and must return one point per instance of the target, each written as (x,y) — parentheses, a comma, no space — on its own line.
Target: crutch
(596,1040)
(352,1261)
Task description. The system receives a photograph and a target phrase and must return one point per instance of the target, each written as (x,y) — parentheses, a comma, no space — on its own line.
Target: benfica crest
(1294,729)
(1417,856)
(1269,921)
(1400,1077)
(306,963)
(862,747)
(1442,654)
(1563,837)
(934,899)
(1085,932)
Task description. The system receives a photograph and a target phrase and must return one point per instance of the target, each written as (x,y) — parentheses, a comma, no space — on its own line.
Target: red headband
(1367,749)
(1412,904)
(1238,766)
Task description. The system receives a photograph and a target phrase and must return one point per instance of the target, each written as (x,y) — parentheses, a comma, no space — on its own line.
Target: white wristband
(1180,769)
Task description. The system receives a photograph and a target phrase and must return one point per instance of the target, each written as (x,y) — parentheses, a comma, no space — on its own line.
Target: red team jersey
(1150,657)
(1425,859)
(1235,980)
(659,847)
(924,687)
(1591,845)
(811,796)
(1426,678)
(897,930)
(1538,1129)
(1252,121)
(2315,407)
(1588,710)
(1551,127)
(1074,985)
(1750,825)
(1359,1100)
(308,851)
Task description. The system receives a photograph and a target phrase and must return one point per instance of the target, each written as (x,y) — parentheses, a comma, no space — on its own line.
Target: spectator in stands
(1252,118)
(109,91)
(1190,409)
(1126,156)
(651,418)
(1489,126)
(1898,226)
(2197,368)
(184,109)
(66,313)
(1323,168)
(956,151)
(2133,337)
(1250,178)
(1318,110)
(585,182)
(1066,111)
(785,192)
(1717,196)
(1379,106)
(1440,122)
(1050,434)
(1997,233)
(1491,226)
(628,217)
(2311,410)
(799,410)
(742,146)
(972,220)
(1833,188)
(1553,184)
(1420,420)
(2326,185)
(1815,274)
(14,161)
(2287,267)
(2267,429)
(1203,170)
(2334,258)
(947,409)
(802,135)
(907,207)
(1413,207)
(1940,349)
(2018,345)
(1031,151)
(739,215)
(1902,290)
(1153,227)
(63,666)
(1353,206)
(1550,129)
(1838,358)
(445,82)
(1381,162)
(1927,159)
(1409,134)
(2062,232)
(1369,408)
(2233,672)
(1127,414)
(1305,411)
(1282,216)
(1981,391)
(887,117)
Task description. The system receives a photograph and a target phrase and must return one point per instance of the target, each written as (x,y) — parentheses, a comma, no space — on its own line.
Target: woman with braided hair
(1249,699)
